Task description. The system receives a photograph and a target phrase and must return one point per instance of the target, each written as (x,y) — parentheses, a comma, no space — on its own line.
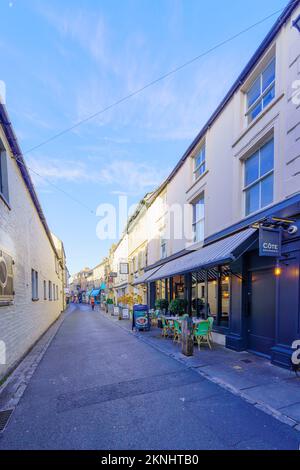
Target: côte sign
(270,242)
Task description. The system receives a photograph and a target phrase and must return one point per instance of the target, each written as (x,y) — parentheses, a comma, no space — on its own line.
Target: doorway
(262,311)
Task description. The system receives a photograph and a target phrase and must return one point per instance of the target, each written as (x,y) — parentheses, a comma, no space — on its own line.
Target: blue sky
(64,60)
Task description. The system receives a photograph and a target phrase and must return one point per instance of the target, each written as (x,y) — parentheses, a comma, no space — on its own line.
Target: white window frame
(34,285)
(202,164)
(4,193)
(163,247)
(259,180)
(200,220)
(262,93)
(50,292)
(45,290)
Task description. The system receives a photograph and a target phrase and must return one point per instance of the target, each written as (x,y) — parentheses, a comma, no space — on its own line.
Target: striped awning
(222,252)
(144,277)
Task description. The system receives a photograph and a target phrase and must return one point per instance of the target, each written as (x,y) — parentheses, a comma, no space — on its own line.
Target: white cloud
(121,177)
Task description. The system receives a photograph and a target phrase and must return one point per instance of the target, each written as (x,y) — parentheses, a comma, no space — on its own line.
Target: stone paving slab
(270,388)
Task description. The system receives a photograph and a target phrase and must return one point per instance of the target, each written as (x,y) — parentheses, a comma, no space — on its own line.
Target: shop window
(200,162)
(261,92)
(217,303)
(198,219)
(225,298)
(259,178)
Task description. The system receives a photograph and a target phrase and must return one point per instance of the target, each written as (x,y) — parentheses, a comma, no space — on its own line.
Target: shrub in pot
(162,305)
(178,306)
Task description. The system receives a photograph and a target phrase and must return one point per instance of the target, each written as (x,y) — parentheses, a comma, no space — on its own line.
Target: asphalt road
(99,387)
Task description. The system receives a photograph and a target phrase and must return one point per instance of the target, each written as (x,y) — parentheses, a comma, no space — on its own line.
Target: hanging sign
(270,242)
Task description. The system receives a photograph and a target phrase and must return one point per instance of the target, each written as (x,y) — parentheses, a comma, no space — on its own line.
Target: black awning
(222,252)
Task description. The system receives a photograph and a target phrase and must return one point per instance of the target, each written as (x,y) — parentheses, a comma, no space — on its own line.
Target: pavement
(273,389)
(97,386)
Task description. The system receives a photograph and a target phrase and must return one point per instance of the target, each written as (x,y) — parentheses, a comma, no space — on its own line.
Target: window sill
(3,199)
(257,119)
(197,181)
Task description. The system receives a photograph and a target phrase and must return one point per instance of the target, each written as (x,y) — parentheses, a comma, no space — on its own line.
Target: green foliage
(162,304)
(109,302)
(178,306)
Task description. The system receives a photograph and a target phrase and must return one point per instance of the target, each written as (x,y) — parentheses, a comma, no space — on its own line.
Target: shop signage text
(269,242)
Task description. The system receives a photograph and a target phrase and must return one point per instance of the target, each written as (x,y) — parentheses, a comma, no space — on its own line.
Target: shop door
(262,306)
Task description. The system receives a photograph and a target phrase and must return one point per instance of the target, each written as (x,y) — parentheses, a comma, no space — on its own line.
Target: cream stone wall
(23,237)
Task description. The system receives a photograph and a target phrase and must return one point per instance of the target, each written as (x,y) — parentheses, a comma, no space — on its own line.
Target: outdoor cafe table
(180,319)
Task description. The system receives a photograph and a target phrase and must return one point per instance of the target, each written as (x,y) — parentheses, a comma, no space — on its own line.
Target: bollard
(187,336)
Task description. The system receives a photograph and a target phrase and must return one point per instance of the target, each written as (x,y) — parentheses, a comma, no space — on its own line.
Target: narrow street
(99,387)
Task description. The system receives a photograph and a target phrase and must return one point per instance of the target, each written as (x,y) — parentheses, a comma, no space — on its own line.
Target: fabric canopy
(144,278)
(95,292)
(224,251)
(103,286)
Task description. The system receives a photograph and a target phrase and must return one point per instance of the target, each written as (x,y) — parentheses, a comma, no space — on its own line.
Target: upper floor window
(163,247)
(259,178)
(198,219)
(199,162)
(50,290)
(3,174)
(34,284)
(261,92)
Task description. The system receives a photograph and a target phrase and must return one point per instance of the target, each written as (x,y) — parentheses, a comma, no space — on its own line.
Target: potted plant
(162,305)
(178,306)
(110,306)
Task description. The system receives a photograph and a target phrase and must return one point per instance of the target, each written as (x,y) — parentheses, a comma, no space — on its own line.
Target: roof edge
(18,157)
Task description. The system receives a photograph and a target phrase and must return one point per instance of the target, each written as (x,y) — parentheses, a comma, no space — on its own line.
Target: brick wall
(23,237)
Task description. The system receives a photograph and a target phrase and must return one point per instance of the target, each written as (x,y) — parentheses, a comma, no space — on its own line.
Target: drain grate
(246,361)
(4,418)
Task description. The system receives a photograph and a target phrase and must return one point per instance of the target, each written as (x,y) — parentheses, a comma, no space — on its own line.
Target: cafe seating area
(171,328)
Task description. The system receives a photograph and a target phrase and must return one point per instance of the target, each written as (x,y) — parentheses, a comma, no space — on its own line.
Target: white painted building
(31,270)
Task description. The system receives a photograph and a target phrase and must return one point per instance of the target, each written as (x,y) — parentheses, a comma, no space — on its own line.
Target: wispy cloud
(79,25)
(123,177)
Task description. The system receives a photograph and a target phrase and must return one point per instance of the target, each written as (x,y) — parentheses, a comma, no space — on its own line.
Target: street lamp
(296,23)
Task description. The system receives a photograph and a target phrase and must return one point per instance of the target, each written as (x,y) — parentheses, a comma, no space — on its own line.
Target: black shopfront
(253,298)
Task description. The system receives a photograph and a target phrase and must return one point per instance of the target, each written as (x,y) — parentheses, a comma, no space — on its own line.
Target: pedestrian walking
(93,303)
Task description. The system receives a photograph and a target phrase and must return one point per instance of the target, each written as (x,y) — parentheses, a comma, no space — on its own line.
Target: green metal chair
(177,331)
(165,328)
(201,333)
(211,324)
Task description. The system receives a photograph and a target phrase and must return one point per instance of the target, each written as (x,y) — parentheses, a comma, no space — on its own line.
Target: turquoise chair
(177,331)
(201,333)
(211,324)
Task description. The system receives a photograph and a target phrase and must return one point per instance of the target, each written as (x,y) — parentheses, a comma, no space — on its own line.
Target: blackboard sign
(270,242)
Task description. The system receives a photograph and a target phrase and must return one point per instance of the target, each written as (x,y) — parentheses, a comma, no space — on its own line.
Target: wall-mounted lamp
(277,270)
(296,23)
